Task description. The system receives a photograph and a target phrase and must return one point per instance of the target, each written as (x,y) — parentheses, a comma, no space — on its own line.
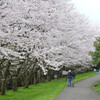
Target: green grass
(96,87)
(42,91)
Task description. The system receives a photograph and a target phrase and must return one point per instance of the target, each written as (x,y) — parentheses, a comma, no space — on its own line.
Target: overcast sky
(91,8)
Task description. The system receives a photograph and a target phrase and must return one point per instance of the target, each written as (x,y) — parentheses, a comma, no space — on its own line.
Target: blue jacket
(70,75)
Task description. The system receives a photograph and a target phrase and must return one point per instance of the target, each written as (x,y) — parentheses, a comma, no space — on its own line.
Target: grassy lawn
(42,91)
(96,87)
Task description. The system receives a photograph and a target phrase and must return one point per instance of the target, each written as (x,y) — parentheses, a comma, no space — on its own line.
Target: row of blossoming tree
(37,36)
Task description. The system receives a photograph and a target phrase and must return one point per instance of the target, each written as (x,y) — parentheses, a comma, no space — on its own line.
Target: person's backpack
(68,75)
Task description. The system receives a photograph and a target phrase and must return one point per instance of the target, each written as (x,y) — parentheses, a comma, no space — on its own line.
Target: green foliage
(96,54)
(96,87)
(42,91)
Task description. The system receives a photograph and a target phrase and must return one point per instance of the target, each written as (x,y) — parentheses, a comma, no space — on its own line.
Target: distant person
(95,70)
(73,76)
(70,76)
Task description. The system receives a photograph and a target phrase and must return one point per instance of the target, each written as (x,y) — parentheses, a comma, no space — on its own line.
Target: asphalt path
(81,91)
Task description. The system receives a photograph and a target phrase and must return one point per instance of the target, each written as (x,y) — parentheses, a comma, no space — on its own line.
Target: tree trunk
(42,78)
(28,78)
(27,84)
(48,76)
(15,79)
(4,75)
(34,82)
(3,85)
(14,84)
(39,76)
(32,72)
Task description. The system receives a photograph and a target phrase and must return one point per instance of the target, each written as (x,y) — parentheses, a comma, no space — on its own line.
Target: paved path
(81,91)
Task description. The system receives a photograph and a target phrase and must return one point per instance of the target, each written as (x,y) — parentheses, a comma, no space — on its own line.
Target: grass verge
(96,87)
(42,91)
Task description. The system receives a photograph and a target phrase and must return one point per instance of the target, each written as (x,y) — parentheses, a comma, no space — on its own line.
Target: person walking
(73,76)
(69,78)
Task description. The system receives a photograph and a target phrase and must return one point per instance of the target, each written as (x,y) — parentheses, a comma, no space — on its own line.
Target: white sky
(91,8)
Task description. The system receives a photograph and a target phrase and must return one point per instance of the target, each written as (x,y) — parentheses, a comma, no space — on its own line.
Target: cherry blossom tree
(41,35)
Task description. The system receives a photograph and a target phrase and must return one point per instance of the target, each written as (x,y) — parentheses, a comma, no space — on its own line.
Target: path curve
(81,91)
